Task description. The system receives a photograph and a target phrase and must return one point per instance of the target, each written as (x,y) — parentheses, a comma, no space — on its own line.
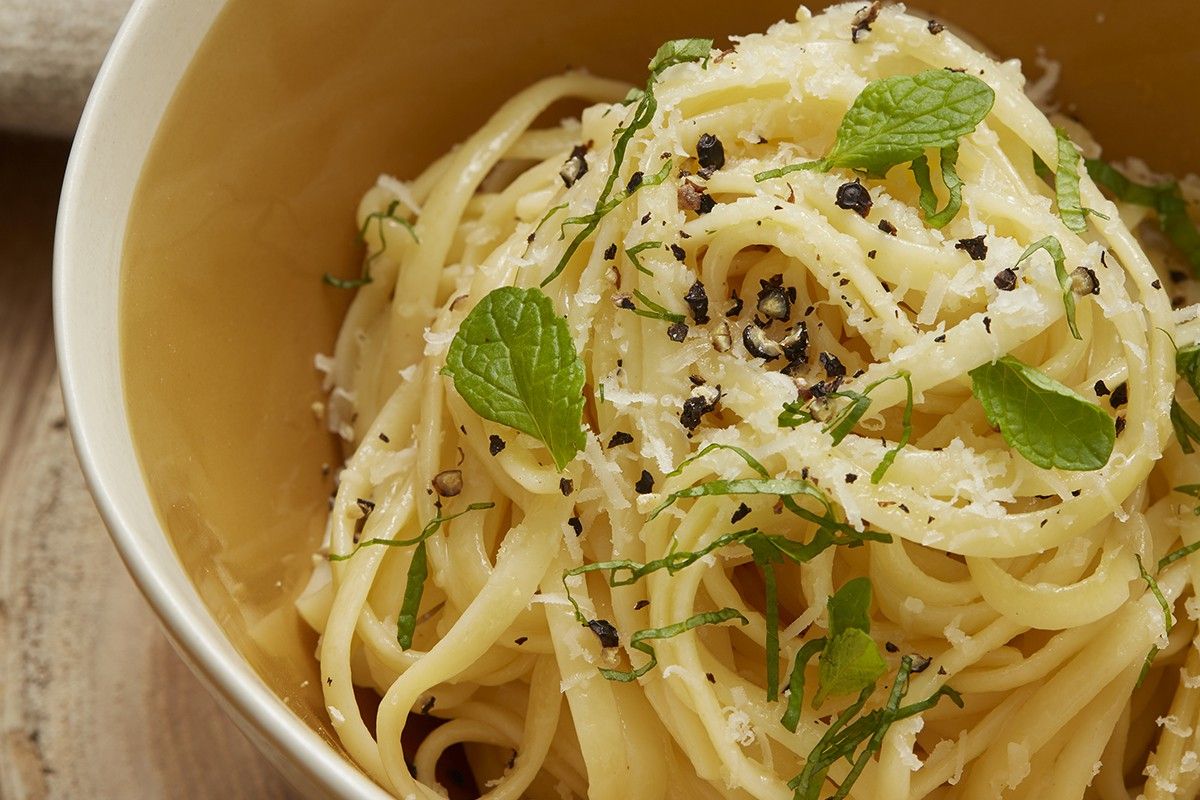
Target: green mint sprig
(1049,424)
(514,363)
(896,120)
(1054,248)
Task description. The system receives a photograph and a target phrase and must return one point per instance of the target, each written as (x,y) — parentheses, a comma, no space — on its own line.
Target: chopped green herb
(1183,552)
(653,310)
(1187,365)
(842,423)
(430,528)
(633,252)
(843,738)
(1167,201)
(1187,430)
(1066,184)
(414,587)
(905,432)
(513,361)
(765,557)
(674,52)
(680,51)
(380,217)
(639,639)
(750,460)
(1152,585)
(896,120)
(1054,248)
(950,179)
(1049,424)
(791,717)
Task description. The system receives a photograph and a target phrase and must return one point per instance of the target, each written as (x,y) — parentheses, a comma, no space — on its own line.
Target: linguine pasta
(852,376)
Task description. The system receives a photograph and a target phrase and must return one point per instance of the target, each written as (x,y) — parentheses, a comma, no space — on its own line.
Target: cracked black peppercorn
(854,197)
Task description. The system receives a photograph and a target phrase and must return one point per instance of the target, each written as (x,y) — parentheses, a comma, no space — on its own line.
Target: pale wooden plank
(93,701)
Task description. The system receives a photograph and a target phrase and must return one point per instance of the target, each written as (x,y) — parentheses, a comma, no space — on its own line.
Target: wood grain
(93,701)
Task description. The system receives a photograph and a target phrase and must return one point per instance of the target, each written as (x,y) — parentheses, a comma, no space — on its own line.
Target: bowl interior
(285,116)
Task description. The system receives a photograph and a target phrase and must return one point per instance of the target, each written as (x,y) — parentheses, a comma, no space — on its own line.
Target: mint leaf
(1152,585)
(513,361)
(950,179)
(1054,248)
(680,51)
(1046,422)
(1066,184)
(850,663)
(895,120)
(849,606)
(1167,201)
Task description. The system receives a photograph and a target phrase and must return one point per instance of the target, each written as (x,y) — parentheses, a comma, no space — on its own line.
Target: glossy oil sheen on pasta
(1034,593)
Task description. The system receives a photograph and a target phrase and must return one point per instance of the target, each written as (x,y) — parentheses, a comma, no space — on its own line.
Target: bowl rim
(87,344)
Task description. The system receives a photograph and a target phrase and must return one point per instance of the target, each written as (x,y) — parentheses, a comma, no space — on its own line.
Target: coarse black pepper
(448,482)
(677,331)
(887,227)
(975,247)
(566,486)
(645,484)
(774,301)
(575,166)
(735,307)
(710,153)
(935,27)
(1006,279)
(863,19)
(697,302)
(635,180)
(1084,281)
(707,204)
(920,664)
(688,195)
(495,444)
(1156,283)
(383,437)
(987,324)
(679,253)
(854,197)
(365,506)
(890,647)
(576,525)
(703,400)
(619,438)
(610,252)
(1120,425)
(520,640)
(795,344)
(1101,389)
(758,344)
(640,604)
(722,338)
(833,367)
(1120,396)
(605,631)
(851,477)
(871,254)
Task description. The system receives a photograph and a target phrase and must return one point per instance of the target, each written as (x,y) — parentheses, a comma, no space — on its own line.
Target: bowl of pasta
(501,401)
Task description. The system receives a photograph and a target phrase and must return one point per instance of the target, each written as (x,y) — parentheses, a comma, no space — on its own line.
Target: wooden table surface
(94,703)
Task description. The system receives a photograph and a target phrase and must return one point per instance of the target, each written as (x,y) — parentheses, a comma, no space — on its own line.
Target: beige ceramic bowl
(213,181)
